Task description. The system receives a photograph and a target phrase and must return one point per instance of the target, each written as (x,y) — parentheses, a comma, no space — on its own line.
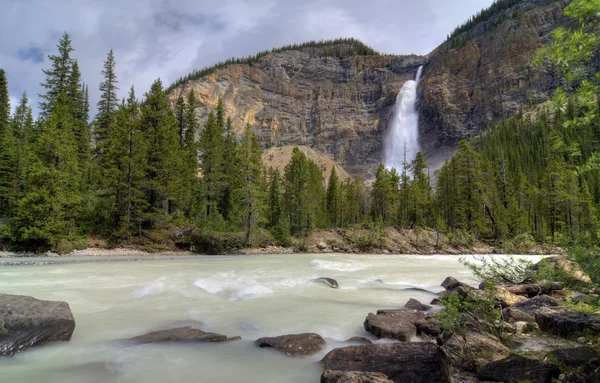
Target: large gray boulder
(26,322)
(294,344)
(525,311)
(181,334)
(516,368)
(394,324)
(567,323)
(400,362)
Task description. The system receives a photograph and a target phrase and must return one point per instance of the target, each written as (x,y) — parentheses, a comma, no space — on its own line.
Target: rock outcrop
(341,107)
(400,362)
(567,323)
(332,376)
(26,322)
(328,281)
(295,344)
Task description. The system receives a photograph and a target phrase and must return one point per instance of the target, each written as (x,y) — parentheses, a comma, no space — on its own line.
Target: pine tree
(57,76)
(275,211)
(180,108)
(108,103)
(211,145)
(190,148)
(333,198)
(250,190)
(7,150)
(164,159)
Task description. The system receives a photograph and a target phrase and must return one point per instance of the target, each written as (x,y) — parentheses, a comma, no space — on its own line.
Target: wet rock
(328,281)
(294,344)
(360,339)
(394,324)
(27,322)
(181,334)
(575,357)
(436,301)
(400,362)
(567,323)
(525,311)
(414,304)
(451,284)
(473,349)
(516,368)
(333,376)
(428,326)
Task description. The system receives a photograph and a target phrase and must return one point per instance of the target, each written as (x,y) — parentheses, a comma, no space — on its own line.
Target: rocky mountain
(340,106)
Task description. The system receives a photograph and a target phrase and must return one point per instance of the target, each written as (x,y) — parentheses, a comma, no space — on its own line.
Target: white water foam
(349,266)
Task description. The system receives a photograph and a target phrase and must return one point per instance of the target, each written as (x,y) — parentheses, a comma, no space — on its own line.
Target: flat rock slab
(27,322)
(567,323)
(181,334)
(400,362)
(332,376)
(394,324)
(575,357)
(294,344)
(516,368)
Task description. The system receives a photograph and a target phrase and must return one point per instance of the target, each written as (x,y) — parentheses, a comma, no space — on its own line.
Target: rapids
(249,296)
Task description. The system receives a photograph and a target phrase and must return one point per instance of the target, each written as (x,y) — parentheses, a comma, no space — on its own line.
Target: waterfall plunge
(402,137)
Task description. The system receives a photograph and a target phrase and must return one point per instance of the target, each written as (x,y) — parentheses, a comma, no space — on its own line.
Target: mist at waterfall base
(401,142)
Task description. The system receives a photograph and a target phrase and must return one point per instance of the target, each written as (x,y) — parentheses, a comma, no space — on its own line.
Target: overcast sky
(168,39)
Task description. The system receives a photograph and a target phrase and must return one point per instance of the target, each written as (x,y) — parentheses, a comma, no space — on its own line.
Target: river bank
(389,240)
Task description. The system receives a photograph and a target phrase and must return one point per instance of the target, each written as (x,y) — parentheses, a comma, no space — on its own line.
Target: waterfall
(402,138)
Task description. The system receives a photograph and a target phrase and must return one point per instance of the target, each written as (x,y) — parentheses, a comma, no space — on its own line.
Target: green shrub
(499,270)
(463,312)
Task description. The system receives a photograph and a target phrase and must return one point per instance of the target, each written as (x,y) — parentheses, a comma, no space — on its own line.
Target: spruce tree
(108,103)
(8,149)
(250,188)
(57,76)
(211,146)
(164,159)
(333,198)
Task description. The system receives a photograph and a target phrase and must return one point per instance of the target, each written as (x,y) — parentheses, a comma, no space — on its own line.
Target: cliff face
(465,89)
(339,107)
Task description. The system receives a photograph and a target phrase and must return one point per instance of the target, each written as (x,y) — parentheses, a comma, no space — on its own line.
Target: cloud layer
(167,39)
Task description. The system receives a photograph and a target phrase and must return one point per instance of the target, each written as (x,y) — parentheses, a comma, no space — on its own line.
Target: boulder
(428,327)
(294,344)
(400,362)
(451,283)
(589,373)
(516,368)
(525,311)
(506,298)
(473,349)
(333,376)
(567,323)
(394,324)
(575,357)
(414,304)
(27,322)
(436,301)
(328,281)
(181,334)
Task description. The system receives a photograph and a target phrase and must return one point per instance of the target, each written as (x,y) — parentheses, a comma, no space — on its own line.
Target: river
(249,296)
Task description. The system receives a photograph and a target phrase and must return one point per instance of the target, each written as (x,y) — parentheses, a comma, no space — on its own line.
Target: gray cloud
(168,39)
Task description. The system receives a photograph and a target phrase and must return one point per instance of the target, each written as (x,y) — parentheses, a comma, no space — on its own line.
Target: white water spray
(402,138)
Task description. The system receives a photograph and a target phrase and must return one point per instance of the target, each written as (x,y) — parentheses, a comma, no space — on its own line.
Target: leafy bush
(588,261)
(461,313)
(499,270)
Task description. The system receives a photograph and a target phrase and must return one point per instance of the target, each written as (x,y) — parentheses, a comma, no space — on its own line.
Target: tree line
(145,171)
